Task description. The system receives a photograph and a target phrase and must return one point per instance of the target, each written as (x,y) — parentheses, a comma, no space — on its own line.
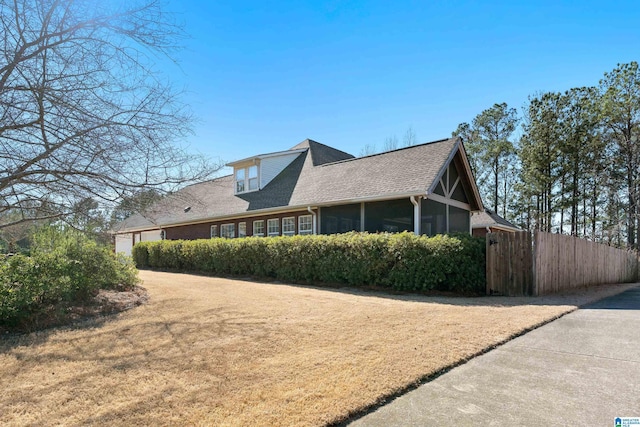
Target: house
(488,221)
(316,189)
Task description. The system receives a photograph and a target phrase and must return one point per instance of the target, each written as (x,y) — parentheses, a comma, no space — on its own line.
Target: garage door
(124,243)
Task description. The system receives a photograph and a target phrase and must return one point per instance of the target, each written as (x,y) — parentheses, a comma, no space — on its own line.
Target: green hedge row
(403,262)
(64,267)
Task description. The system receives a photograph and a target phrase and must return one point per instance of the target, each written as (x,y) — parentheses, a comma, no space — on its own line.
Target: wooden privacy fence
(518,264)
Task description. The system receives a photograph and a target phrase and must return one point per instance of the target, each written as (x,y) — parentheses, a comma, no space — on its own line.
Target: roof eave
(497,226)
(266,156)
(268,211)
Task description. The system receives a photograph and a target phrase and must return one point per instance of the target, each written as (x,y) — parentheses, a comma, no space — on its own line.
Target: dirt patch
(108,301)
(103,303)
(210,351)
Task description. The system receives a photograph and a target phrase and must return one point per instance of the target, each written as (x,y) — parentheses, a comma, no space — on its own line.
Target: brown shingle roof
(321,175)
(489,218)
(408,170)
(322,154)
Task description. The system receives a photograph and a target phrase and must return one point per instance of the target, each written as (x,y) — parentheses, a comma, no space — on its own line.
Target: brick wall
(203,231)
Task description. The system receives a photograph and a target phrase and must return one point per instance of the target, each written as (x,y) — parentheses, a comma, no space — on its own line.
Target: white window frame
(247,183)
(302,221)
(240,181)
(258,221)
(242,229)
(252,180)
(290,228)
(276,222)
(226,234)
(214,231)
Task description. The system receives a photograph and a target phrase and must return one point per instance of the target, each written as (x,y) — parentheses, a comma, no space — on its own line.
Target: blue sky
(263,76)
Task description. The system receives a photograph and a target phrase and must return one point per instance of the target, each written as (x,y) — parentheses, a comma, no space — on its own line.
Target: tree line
(574,166)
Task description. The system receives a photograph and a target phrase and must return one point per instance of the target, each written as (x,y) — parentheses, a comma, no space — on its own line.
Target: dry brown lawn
(210,351)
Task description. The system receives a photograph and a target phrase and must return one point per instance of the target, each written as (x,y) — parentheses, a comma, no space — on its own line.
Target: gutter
(416,214)
(314,219)
(269,211)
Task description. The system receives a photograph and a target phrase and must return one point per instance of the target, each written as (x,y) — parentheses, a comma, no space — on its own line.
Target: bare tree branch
(83,112)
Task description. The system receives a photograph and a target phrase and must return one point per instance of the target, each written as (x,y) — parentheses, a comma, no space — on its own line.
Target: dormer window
(247,179)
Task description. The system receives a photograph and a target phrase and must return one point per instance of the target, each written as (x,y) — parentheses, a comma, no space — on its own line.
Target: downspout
(314,221)
(416,214)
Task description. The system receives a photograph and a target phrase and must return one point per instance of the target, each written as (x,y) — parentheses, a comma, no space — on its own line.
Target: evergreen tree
(488,143)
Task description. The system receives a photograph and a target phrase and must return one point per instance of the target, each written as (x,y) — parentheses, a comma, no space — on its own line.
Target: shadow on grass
(188,357)
(436,297)
(13,339)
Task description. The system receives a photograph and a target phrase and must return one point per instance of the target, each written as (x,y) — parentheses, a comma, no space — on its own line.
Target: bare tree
(83,111)
(410,138)
(390,143)
(368,150)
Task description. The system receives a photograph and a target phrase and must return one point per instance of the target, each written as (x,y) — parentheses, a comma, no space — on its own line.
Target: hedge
(402,262)
(65,267)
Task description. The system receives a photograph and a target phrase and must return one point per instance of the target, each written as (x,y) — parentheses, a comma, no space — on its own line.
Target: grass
(210,351)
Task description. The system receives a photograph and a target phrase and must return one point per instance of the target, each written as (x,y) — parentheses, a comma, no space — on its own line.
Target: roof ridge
(392,151)
(328,146)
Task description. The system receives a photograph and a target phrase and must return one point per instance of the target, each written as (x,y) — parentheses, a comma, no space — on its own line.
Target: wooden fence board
(519,264)
(509,258)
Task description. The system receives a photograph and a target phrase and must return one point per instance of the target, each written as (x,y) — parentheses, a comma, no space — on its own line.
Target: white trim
(494,225)
(455,184)
(246,179)
(211,233)
(293,221)
(444,167)
(269,233)
(314,220)
(303,232)
(265,156)
(253,228)
(233,230)
(417,215)
(459,147)
(446,201)
(365,199)
(472,179)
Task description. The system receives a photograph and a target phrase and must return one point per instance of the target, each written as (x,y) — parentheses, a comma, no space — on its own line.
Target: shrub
(64,267)
(401,262)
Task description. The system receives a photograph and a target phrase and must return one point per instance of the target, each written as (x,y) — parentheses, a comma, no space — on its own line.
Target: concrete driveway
(582,369)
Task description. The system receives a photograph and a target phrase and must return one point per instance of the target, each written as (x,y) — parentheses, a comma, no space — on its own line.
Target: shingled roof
(322,154)
(319,176)
(489,218)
